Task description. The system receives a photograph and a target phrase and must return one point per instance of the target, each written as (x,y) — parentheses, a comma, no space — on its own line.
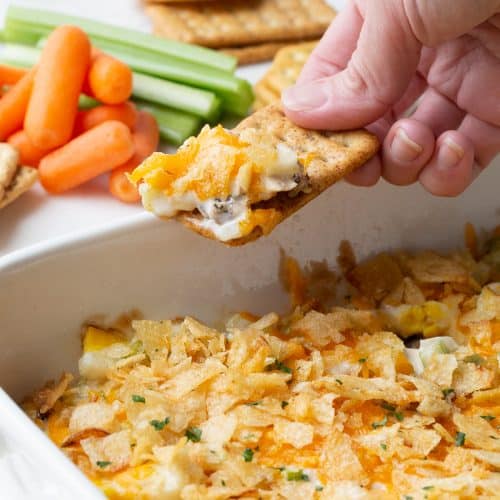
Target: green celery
(175,126)
(48,20)
(195,101)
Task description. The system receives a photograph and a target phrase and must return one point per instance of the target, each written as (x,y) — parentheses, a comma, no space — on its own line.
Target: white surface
(163,269)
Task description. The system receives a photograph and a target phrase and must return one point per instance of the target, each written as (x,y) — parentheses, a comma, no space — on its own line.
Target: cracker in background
(234,23)
(331,156)
(283,73)
(23,180)
(254,53)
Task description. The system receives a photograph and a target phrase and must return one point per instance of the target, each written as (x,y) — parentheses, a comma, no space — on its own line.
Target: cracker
(233,23)
(9,159)
(334,155)
(24,179)
(254,53)
(284,71)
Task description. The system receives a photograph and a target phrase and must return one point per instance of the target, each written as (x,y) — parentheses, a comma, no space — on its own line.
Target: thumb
(375,78)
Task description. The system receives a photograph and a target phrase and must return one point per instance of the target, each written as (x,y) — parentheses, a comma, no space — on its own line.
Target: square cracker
(283,72)
(250,54)
(332,155)
(233,23)
(23,180)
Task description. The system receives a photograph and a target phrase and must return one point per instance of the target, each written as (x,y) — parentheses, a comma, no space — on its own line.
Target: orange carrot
(59,78)
(109,80)
(13,105)
(10,75)
(29,154)
(96,151)
(87,119)
(146,138)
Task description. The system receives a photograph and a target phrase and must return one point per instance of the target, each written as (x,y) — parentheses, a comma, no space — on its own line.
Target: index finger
(335,48)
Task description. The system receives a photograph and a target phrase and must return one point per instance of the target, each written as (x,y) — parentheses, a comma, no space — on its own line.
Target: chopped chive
(102,464)
(253,403)
(160,424)
(296,475)
(318,487)
(339,381)
(399,416)
(284,404)
(248,455)
(193,434)
(475,358)
(447,392)
(223,482)
(493,437)
(459,439)
(383,446)
(278,365)
(138,399)
(408,497)
(430,487)
(388,407)
(383,422)
(362,360)
(488,418)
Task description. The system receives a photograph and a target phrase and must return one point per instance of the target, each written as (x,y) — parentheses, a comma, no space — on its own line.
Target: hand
(378,57)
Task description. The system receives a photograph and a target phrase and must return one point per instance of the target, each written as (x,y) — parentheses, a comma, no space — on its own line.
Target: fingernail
(450,154)
(304,97)
(403,148)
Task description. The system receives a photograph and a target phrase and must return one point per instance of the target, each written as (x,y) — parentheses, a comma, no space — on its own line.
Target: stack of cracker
(283,73)
(14,179)
(250,30)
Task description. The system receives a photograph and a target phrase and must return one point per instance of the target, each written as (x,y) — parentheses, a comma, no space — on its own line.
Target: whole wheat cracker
(23,180)
(9,160)
(333,156)
(230,23)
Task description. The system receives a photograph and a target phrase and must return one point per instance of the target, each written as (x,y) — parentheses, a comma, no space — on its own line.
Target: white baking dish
(48,290)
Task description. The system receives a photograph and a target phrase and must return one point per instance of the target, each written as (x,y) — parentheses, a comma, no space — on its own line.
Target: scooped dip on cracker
(235,186)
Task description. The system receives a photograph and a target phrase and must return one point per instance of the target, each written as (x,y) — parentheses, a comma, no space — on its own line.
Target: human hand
(378,57)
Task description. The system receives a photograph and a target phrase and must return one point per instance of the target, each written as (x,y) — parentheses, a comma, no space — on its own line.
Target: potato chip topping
(391,393)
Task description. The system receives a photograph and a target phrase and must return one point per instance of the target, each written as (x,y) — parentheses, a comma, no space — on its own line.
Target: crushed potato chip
(392,392)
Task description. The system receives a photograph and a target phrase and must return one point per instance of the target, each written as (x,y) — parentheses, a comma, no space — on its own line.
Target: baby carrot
(146,138)
(13,105)
(29,154)
(96,151)
(87,119)
(10,75)
(59,78)
(109,80)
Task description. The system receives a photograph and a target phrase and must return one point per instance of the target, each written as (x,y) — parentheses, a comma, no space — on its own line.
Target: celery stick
(175,126)
(48,20)
(86,102)
(195,101)
(19,55)
(234,92)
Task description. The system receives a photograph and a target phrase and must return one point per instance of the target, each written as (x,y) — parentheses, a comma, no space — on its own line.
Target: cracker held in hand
(235,23)
(235,186)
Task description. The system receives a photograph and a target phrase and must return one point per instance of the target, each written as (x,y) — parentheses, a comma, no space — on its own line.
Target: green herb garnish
(475,358)
(193,434)
(318,487)
(383,446)
(296,475)
(253,403)
(102,464)
(248,455)
(160,424)
(278,365)
(459,439)
(223,482)
(362,360)
(447,392)
(430,487)
(388,407)
(383,422)
(339,381)
(138,399)
(398,416)
(488,418)
(284,404)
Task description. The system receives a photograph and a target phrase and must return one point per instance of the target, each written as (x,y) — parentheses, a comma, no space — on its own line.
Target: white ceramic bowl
(48,290)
